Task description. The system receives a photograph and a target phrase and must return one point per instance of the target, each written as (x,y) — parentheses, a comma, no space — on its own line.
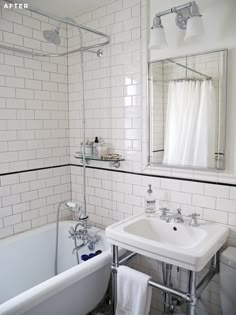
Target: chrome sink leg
(167,301)
(114,268)
(191,306)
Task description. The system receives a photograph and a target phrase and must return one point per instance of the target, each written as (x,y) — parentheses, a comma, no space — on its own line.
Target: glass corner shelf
(114,162)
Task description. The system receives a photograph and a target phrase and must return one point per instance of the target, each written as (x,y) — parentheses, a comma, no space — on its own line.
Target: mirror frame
(224,97)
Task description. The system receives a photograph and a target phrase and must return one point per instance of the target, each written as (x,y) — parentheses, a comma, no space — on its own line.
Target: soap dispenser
(150,203)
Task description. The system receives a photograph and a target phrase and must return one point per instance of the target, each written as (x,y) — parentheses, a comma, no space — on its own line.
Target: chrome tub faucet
(82,234)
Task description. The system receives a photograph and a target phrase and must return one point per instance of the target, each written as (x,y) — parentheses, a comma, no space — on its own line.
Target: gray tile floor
(104,308)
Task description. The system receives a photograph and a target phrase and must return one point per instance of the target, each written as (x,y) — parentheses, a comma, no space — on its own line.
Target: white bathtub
(27,282)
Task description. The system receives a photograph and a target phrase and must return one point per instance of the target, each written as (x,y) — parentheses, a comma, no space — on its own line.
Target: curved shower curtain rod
(68,22)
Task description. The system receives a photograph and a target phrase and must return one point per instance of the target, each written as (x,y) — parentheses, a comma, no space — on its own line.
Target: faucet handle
(163,213)
(71,232)
(87,225)
(194,215)
(194,221)
(179,217)
(164,209)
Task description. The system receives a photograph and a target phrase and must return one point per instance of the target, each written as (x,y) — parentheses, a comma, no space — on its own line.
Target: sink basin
(167,234)
(175,243)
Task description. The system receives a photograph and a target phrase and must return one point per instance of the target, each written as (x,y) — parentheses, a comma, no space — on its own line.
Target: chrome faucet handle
(164,211)
(179,211)
(72,233)
(84,224)
(87,225)
(194,221)
(179,217)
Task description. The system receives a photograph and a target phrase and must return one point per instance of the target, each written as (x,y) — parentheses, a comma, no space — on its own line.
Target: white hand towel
(133,292)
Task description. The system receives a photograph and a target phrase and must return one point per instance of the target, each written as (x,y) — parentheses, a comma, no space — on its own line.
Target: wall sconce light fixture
(157,35)
(187,18)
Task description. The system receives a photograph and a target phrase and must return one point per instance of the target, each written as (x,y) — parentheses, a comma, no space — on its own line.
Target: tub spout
(85,226)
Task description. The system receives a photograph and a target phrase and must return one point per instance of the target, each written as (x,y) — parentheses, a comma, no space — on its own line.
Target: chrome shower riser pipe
(83,125)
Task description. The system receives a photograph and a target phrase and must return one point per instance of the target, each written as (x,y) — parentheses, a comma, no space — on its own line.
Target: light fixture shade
(157,38)
(195,27)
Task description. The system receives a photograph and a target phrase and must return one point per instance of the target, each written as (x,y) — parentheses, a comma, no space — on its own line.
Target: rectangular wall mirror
(187,103)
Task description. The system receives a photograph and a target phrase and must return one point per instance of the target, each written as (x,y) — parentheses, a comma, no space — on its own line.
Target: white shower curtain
(190,124)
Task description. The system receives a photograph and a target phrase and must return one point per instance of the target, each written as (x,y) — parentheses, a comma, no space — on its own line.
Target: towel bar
(181,294)
(190,297)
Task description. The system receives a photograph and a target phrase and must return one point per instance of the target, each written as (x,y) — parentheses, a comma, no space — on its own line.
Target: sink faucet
(194,221)
(163,215)
(177,217)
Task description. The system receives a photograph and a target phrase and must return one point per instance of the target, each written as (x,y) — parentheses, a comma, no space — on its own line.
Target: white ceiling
(66,8)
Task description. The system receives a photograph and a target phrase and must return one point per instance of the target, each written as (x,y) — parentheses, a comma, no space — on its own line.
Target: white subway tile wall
(112,83)
(33,92)
(30,199)
(33,125)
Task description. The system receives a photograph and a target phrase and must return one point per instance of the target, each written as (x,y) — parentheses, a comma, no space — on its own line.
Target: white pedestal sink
(175,243)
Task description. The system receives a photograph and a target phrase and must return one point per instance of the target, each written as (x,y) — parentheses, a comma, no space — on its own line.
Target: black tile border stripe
(119,171)
(158,176)
(34,169)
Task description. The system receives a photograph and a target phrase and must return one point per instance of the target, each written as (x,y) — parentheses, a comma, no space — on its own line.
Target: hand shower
(71,205)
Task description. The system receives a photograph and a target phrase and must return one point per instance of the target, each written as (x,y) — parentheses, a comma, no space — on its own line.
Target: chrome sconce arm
(183,13)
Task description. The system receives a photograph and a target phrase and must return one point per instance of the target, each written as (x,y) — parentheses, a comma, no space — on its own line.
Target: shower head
(52,36)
